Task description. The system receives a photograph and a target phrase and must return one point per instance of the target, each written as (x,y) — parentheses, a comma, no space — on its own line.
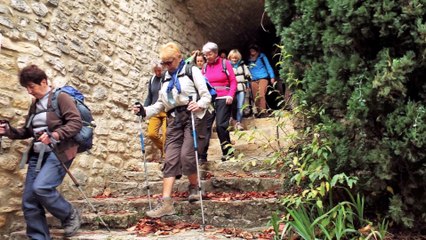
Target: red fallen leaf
(246,235)
(145,229)
(223,196)
(248,174)
(147,226)
(167,228)
(208,175)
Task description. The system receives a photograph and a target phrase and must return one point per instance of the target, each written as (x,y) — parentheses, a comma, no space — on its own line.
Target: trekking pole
(76,183)
(144,156)
(194,135)
(1,147)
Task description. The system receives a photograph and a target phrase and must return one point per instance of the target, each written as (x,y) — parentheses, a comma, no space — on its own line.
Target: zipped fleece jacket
(67,127)
(260,68)
(217,78)
(194,88)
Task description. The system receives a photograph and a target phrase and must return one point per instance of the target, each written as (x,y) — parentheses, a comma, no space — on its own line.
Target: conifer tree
(364,63)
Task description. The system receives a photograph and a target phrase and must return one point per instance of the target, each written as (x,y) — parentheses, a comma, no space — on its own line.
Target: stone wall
(102,47)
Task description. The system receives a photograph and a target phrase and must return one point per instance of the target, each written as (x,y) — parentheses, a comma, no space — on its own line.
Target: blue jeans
(240,102)
(40,193)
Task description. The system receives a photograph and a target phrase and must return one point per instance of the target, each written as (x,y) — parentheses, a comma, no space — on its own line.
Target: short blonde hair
(234,52)
(170,50)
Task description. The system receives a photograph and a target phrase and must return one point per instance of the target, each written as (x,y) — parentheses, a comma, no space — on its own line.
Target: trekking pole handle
(49,134)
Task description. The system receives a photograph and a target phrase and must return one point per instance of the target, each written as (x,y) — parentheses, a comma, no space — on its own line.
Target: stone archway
(234,24)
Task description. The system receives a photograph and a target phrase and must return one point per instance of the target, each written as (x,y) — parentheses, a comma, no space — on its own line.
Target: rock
(20,5)
(40,9)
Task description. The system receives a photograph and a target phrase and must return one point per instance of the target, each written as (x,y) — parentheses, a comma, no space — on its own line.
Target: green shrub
(357,70)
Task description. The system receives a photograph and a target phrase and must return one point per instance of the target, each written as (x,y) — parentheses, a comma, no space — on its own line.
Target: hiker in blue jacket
(261,72)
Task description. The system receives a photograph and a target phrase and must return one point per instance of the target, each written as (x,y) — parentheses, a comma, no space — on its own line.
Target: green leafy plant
(340,221)
(356,71)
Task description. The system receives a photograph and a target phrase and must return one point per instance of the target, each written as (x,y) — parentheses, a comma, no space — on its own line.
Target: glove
(141,111)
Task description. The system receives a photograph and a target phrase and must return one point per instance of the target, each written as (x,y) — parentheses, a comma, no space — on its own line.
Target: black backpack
(85,137)
(212,91)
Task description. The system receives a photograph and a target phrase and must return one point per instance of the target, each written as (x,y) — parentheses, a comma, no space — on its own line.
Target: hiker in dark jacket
(157,121)
(45,172)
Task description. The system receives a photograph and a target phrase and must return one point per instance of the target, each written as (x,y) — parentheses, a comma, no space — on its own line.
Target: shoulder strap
(204,68)
(244,70)
(224,69)
(54,100)
(188,71)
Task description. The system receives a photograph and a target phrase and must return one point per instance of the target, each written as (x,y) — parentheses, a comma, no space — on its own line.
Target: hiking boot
(193,193)
(164,207)
(72,223)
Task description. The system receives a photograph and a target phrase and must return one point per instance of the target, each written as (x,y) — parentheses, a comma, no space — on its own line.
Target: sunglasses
(168,63)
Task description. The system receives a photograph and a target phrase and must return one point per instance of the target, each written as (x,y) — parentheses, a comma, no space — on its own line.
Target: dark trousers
(223,114)
(40,193)
(205,134)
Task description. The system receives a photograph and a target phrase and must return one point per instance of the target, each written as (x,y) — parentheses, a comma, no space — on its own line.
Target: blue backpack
(85,137)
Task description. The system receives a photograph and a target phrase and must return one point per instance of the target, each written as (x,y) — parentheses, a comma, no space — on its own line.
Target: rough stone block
(20,5)
(40,9)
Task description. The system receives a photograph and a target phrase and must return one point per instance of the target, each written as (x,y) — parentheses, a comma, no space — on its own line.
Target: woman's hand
(229,100)
(45,138)
(193,106)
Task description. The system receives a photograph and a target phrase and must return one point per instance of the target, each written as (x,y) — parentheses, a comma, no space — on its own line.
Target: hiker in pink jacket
(221,76)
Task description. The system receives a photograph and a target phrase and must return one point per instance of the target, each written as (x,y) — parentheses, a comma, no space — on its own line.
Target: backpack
(212,91)
(85,137)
